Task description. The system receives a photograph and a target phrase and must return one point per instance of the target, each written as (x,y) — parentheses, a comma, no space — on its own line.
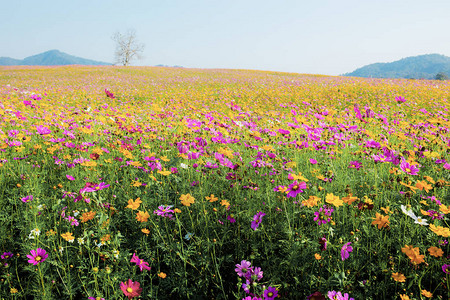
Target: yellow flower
(381,221)
(165,172)
(435,251)
(317,256)
(439,230)
(134,204)
(145,230)
(89,164)
(399,277)
(142,216)
(332,199)
(162,275)
(164,158)
(404,297)
(68,236)
(14,291)
(177,210)
(187,199)
(211,198)
(427,293)
(444,209)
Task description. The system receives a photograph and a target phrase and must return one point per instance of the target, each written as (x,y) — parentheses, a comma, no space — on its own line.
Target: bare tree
(127,47)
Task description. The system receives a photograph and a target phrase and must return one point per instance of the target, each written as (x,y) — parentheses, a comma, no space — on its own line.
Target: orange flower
(134,204)
(317,256)
(187,199)
(87,216)
(211,198)
(404,297)
(381,221)
(423,185)
(105,238)
(311,202)
(349,199)
(162,275)
(386,210)
(435,251)
(427,294)
(413,254)
(399,277)
(145,230)
(225,203)
(142,216)
(332,199)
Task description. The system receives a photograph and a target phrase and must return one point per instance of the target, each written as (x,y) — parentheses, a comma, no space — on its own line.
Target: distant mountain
(422,66)
(50,58)
(166,66)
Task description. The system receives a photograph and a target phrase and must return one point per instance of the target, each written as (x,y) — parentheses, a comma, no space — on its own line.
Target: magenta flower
(140,263)
(313,161)
(409,168)
(70,177)
(27,199)
(131,289)
(345,251)
(355,165)
(243,268)
(43,130)
(333,295)
(323,243)
(257,219)
(323,216)
(109,94)
(37,256)
(6,255)
(400,99)
(271,293)
(446,269)
(295,188)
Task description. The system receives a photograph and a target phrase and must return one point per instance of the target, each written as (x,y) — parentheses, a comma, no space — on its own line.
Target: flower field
(165,183)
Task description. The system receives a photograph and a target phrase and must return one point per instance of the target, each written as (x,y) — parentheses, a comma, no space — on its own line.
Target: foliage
(165,183)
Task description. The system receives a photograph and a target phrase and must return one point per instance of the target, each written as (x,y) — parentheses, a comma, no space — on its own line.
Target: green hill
(422,66)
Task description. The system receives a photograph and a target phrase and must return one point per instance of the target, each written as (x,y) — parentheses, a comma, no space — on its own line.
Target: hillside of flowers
(166,183)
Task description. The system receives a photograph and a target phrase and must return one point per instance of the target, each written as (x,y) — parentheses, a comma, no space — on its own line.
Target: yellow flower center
(38,258)
(129,290)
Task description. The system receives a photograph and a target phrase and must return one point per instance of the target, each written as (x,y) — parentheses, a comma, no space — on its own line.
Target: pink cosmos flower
(27,198)
(131,289)
(43,130)
(400,99)
(140,263)
(37,256)
(295,188)
(409,168)
(70,177)
(345,251)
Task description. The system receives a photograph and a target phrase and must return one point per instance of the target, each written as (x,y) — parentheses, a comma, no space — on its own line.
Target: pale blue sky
(318,37)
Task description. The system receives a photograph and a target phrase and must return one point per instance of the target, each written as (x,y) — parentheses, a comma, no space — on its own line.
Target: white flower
(408,212)
(34,233)
(80,241)
(183,166)
(420,221)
